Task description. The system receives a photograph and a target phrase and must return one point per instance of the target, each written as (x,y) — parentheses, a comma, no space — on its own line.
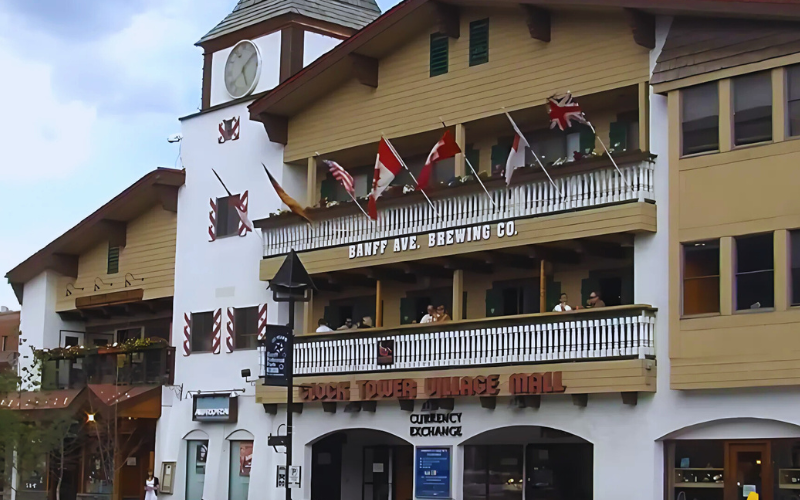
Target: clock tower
(263,42)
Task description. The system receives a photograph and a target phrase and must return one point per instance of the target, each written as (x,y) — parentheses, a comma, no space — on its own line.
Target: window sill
(695,155)
(222,237)
(702,315)
(753,145)
(755,311)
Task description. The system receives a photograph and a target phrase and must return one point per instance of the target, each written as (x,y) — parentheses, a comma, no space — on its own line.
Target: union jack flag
(563,111)
(341,175)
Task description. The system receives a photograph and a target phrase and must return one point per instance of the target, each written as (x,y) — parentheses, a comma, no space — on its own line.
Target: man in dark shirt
(595,301)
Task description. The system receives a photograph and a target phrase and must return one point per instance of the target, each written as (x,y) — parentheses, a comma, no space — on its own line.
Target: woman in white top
(562,304)
(150,487)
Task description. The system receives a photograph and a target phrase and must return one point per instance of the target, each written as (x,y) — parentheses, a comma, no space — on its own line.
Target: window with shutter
(246,328)
(478,42)
(113,260)
(440,54)
(202,331)
(227,216)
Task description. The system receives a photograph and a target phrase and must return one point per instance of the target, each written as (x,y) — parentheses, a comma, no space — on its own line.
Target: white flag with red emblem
(516,158)
(387,166)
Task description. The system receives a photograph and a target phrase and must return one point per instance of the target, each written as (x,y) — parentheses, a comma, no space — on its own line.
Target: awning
(138,401)
(111,394)
(40,400)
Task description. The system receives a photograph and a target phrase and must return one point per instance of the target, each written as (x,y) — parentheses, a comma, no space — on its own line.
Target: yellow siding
(589,52)
(149,253)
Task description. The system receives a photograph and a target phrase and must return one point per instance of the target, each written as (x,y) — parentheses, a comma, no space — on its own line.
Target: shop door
(748,468)
(377,473)
(197,455)
(559,472)
(403,473)
(326,469)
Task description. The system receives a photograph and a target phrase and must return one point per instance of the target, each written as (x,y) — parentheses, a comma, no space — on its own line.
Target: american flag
(563,111)
(341,175)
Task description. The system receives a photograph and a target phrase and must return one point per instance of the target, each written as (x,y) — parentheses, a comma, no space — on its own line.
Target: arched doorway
(361,464)
(527,462)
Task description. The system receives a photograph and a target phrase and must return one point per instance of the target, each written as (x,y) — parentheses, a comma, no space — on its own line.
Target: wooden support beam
(643,26)
(63,264)
(370,406)
(474,265)
(116,231)
(630,398)
(448,18)
(555,255)
(429,270)
(542,288)
(533,401)
(297,408)
(277,127)
(580,400)
(458,294)
(292,48)
(270,409)
(407,404)
(365,69)
(538,22)
(461,140)
(378,304)
(309,325)
(391,274)
(352,407)
(329,406)
(447,404)
(312,194)
(351,279)
(489,402)
(604,249)
(168,197)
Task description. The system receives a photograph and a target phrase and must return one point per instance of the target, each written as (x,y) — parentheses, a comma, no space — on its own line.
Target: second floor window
(246,328)
(202,331)
(227,216)
(700,119)
(755,272)
(752,108)
(440,54)
(795,269)
(700,278)
(478,42)
(793,98)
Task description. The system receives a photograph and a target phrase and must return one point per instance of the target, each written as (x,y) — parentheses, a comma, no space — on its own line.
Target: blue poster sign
(432,473)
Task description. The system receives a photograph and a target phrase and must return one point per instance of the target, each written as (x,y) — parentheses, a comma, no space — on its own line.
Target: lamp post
(291,284)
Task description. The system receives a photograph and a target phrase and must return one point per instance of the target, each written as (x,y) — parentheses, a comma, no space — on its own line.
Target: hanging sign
(215,408)
(438,239)
(280,477)
(294,476)
(386,352)
(432,473)
(277,343)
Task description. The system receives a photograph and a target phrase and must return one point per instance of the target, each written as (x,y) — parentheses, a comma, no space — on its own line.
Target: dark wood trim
(106,299)
(447,404)
(208,58)
(455,262)
(730,475)
(580,400)
(603,249)
(365,69)
(489,402)
(353,279)
(538,22)
(406,404)
(369,406)
(168,197)
(554,254)
(429,270)
(292,48)
(297,408)
(352,407)
(643,26)
(329,407)
(390,274)
(117,232)
(509,259)
(63,264)
(534,401)
(277,127)
(630,398)
(448,18)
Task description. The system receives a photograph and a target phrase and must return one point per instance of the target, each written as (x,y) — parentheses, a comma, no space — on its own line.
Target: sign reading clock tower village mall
(464,235)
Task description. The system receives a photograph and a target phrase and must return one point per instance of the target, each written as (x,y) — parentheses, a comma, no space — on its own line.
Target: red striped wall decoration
(187,335)
(229,331)
(212,216)
(217,332)
(243,204)
(262,321)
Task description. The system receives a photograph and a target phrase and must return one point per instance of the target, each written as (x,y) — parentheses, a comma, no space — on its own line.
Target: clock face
(242,69)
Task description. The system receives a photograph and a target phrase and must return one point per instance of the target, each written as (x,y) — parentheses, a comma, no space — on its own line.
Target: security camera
(174,138)
(246,373)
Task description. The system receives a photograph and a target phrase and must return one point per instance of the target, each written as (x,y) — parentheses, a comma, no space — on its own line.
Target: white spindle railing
(577,191)
(591,335)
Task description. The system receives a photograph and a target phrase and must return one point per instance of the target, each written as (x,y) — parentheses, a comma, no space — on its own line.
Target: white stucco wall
(314,45)
(270,48)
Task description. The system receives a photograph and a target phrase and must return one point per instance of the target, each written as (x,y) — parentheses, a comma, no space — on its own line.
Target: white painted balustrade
(595,335)
(577,191)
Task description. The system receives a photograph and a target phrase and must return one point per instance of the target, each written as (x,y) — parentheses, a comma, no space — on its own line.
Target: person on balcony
(322,326)
(595,301)
(348,325)
(366,322)
(431,316)
(441,315)
(562,305)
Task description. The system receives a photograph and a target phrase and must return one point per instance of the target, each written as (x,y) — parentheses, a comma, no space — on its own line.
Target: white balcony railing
(600,334)
(526,199)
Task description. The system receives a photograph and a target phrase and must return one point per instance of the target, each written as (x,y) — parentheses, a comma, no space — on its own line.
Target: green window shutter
(113,260)
(553,293)
(494,303)
(474,157)
(587,141)
(478,42)
(408,313)
(440,54)
(500,155)
(618,136)
(328,190)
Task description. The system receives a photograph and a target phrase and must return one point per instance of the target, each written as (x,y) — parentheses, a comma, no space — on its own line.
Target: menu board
(432,467)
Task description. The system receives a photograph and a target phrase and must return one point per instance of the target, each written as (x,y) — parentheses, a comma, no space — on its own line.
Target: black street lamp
(291,284)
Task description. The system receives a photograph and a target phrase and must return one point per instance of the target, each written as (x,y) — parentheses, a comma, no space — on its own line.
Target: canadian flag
(387,165)
(516,158)
(444,149)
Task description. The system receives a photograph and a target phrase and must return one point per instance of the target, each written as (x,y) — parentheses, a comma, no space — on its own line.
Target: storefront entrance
(527,463)
(362,464)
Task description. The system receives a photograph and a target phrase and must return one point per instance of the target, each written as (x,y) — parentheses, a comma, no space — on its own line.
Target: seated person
(366,322)
(322,326)
(595,301)
(348,325)
(562,304)
(441,315)
(430,317)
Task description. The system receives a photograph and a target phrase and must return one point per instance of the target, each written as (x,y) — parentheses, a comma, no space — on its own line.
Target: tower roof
(354,14)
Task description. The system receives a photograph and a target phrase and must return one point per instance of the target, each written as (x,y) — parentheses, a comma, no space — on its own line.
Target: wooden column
(542,289)
(378,305)
(458,294)
(312,195)
(308,314)
(461,140)
(783,266)
(779,125)
(726,279)
(644,116)
(485,157)
(725,115)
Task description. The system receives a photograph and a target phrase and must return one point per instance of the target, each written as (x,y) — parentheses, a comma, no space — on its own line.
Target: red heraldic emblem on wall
(245,225)
(212,217)
(262,321)
(229,332)
(217,332)
(187,335)
(229,130)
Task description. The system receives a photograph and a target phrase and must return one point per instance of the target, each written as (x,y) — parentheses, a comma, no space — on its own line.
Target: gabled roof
(354,14)
(158,187)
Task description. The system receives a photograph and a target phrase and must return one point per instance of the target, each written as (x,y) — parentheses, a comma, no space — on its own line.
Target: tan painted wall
(149,253)
(590,52)
(736,192)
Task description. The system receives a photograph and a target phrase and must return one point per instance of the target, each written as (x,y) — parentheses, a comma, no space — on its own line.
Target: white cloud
(40,136)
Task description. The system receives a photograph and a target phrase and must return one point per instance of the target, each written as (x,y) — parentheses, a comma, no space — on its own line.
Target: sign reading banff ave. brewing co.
(435,387)
(432,240)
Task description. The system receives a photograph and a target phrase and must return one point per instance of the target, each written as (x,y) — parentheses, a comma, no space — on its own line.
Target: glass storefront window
(196,458)
(493,472)
(241,463)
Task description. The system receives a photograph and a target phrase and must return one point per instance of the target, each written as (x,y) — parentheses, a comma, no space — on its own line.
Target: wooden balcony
(582,185)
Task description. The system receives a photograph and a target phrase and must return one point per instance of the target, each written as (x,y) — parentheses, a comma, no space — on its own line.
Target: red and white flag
(563,111)
(387,165)
(342,176)
(516,157)
(444,149)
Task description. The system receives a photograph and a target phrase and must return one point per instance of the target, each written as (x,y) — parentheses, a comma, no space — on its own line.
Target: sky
(89,92)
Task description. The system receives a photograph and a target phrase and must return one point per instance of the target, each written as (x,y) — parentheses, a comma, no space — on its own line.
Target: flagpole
(473,171)
(220,181)
(516,127)
(403,163)
(607,152)
(237,208)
